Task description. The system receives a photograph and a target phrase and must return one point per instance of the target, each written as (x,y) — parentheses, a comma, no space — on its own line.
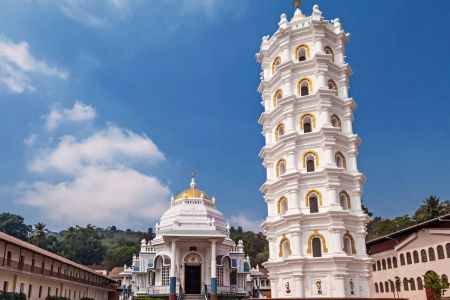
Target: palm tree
(431,208)
(39,235)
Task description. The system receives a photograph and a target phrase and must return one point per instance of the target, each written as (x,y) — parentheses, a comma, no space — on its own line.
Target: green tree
(39,236)
(437,284)
(431,208)
(14,225)
(120,255)
(83,245)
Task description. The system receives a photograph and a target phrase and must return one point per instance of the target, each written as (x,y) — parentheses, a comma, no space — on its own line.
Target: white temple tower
(315,223)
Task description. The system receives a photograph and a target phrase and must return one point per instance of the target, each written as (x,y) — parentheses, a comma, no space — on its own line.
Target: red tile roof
(30,247)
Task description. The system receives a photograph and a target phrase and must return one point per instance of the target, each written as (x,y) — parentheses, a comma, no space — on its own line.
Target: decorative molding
(313,191)
(322,238)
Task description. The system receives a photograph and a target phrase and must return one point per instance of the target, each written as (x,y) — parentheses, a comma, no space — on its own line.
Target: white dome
(192,212)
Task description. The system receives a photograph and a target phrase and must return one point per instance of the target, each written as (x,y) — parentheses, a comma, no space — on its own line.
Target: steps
(193,297)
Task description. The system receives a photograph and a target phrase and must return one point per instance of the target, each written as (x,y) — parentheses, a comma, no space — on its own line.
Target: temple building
(315,223)
(191,254)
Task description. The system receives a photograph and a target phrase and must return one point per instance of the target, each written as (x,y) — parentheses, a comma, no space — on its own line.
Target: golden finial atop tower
(297,3)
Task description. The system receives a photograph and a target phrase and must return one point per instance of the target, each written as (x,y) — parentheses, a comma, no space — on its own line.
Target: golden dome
(192,193)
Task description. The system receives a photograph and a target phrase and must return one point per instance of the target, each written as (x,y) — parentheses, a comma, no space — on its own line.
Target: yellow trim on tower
(275,64)
(308,114)
(347,234)
(283,198)
(280,252)
(347,196)
(311,191)
(306,48)
(310,85)
(316,157)
(322,238)
(275,97)
(281,160)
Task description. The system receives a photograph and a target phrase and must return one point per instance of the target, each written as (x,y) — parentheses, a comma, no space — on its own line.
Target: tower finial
(297,3)
(193,180)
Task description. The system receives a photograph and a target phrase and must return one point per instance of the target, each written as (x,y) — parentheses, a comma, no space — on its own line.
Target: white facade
(315,224)
(400,263)
(192,250)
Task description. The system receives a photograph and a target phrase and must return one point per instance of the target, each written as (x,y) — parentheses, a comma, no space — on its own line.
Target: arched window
(444,277)
(378,265)
(423,255)
(419,283)
(307,122)
(328,50)
(412,284)
(302,52)
(340,160)
(398,284)
(383,263)
(281,167)
(304,86)
(335,121)
(402,259)
(313,204)
(394,262)
(275,64)
(389,263)
(316,247)
(386,286)
(282,205)
(416,257)
(316,244)
(376,288)
(408,258)
(381,287)
(313,199)
(349,244)
(391,283)
(279,132)
(285,247)
(277,97)
(344,200)
(374,267)
(333,86)
(440,252)
(447,249)
(431,254)
(405,284)
(310,159)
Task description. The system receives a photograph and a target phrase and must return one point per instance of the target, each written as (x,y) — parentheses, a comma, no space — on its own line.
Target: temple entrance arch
(193,273)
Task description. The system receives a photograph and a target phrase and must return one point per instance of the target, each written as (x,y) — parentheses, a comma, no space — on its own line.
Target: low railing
(162,290)
(222,290)
(18,266)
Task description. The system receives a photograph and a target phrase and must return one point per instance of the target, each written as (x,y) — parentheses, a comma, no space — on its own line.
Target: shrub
(56,298)
(17,296)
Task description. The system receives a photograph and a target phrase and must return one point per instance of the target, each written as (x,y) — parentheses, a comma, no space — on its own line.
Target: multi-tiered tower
(315,223)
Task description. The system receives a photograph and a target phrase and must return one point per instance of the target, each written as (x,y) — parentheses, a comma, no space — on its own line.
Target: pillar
(172,279)
(298,286)
(213,271)
(339,281)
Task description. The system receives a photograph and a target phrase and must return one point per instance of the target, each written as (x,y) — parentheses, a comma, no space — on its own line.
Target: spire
(297,4)
(193,181)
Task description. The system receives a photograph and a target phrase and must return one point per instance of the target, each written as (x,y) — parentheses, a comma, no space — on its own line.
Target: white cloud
(80,112)
(17,64)
(94,13)
(99,196)
(246,223)
(112,147)
(31,140)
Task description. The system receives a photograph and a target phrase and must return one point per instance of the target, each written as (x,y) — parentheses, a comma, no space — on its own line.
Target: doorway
(192,279)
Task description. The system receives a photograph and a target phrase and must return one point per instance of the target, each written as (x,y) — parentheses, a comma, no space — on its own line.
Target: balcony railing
(18,266)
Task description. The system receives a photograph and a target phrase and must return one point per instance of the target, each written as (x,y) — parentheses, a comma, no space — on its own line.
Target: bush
(17,296)
(86,298)
(56,298)
(149,298)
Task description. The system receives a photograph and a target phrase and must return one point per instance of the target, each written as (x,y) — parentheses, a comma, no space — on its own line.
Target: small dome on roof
(192,193)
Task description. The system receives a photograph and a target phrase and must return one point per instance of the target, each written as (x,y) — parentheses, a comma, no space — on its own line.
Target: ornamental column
(172,279)
(213,271)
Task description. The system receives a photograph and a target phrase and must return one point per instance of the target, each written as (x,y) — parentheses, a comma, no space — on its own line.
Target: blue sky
(106,108)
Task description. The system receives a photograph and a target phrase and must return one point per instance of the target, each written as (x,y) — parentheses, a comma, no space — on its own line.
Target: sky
(107,107)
